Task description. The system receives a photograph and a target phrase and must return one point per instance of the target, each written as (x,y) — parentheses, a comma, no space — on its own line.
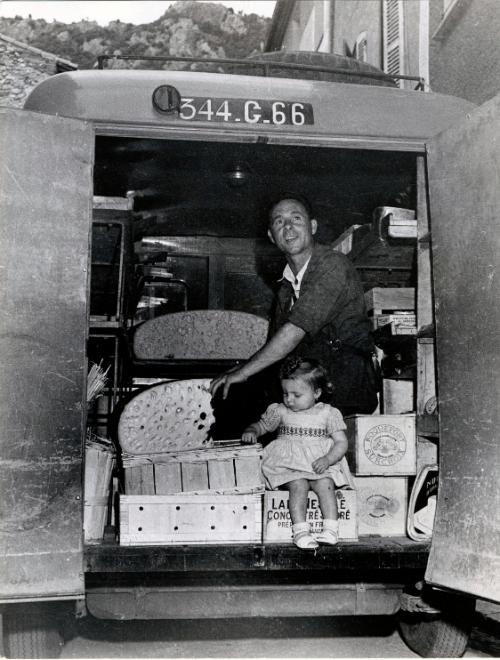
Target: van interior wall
(209,203)
(214,197)
(224,189)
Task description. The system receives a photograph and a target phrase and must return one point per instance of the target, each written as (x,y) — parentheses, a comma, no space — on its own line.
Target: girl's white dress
(303,437)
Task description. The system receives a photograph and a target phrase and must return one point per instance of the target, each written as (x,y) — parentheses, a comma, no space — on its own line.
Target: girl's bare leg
(298,490)
(302,536)
(325,490)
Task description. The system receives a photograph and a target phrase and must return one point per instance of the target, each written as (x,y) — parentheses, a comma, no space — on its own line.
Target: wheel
(436,636)
(30,635)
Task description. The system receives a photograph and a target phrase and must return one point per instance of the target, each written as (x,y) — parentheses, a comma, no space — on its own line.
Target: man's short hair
(291,195)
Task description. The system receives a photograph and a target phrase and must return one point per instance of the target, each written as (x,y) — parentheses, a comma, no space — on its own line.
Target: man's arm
(278,347)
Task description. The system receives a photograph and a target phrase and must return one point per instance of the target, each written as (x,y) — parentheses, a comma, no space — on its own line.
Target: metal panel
(45,210)
(342,110)
(464,163)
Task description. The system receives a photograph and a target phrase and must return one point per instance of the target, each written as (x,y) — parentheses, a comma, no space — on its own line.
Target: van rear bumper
(179,582)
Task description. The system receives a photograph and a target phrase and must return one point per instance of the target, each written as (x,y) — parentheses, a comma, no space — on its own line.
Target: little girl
(308,453)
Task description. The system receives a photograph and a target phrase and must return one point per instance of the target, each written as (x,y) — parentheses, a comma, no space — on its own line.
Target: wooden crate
(387,299)
(278,524)
(382,505)
(193,519)
(230,469)
(381,444)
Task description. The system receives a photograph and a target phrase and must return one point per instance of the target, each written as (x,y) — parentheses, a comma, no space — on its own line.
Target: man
(320,313)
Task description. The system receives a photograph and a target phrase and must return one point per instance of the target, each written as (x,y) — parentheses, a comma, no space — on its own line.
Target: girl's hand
(321,464)
(249,437)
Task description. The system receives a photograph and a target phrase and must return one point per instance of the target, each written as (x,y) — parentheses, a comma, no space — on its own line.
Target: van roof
(343,110)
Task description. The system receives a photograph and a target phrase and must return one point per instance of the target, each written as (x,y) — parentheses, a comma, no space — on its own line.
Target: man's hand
(278,347)
(321,464)
(227,379)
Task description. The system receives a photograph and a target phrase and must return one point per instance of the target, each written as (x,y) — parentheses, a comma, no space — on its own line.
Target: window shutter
(393,37)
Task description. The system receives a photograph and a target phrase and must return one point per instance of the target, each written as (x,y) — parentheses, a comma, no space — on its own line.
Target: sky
(128,11)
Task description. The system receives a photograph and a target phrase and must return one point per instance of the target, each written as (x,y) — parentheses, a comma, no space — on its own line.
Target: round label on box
(379,507)
(385,444)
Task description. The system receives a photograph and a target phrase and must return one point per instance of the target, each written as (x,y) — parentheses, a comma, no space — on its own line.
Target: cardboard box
(398,396)
(278,525)
(193,519)
(382,505)
(381,444)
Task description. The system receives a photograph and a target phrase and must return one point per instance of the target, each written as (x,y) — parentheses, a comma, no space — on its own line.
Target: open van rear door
(45,219)
(464,171)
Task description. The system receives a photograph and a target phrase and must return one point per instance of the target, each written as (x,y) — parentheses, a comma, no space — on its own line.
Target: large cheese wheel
(172,416)
(201,335)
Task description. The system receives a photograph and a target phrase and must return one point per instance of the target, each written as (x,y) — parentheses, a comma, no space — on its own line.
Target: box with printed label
(382,505)
(278,525)
(381,444)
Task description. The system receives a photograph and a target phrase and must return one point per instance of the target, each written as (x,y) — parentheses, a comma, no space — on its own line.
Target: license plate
(246,111)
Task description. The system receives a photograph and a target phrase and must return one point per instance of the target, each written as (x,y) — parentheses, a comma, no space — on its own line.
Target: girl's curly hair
(307,369)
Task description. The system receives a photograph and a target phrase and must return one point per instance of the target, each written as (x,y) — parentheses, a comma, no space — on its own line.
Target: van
(130,194)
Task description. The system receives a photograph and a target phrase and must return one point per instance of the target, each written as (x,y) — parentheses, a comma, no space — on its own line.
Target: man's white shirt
(295,280)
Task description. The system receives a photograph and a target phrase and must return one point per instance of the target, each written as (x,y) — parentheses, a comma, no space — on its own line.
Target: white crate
(381,444)
(382,505)
(278,525)
(193,519)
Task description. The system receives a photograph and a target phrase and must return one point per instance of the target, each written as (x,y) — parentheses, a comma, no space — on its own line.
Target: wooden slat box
(388,299)
(231,469)
(382,505)
(381,444)
(193,519)
(278,524)
(99,464)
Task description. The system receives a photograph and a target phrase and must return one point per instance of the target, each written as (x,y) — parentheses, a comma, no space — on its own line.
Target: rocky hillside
(188,29)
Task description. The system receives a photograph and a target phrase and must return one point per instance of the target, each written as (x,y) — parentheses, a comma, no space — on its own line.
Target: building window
(393,38)
(361,47)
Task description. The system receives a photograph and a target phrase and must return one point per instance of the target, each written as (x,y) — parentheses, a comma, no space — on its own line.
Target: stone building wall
(22,67)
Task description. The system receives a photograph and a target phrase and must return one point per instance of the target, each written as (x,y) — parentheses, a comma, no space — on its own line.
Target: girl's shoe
(330,533)
(302,537)
(305,541)
(328,536)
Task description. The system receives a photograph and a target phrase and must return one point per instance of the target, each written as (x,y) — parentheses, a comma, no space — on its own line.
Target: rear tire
(436,636)
(31,635)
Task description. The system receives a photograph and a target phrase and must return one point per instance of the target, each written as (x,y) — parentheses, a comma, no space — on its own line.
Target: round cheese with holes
(212,334)
(172,416)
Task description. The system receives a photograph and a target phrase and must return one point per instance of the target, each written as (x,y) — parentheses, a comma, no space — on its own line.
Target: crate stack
(181,486)
(392,313)
(382,458)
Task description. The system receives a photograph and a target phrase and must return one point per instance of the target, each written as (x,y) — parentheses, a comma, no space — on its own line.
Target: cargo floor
(393,554)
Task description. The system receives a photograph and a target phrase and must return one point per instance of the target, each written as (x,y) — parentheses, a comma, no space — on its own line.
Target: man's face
(290,228)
